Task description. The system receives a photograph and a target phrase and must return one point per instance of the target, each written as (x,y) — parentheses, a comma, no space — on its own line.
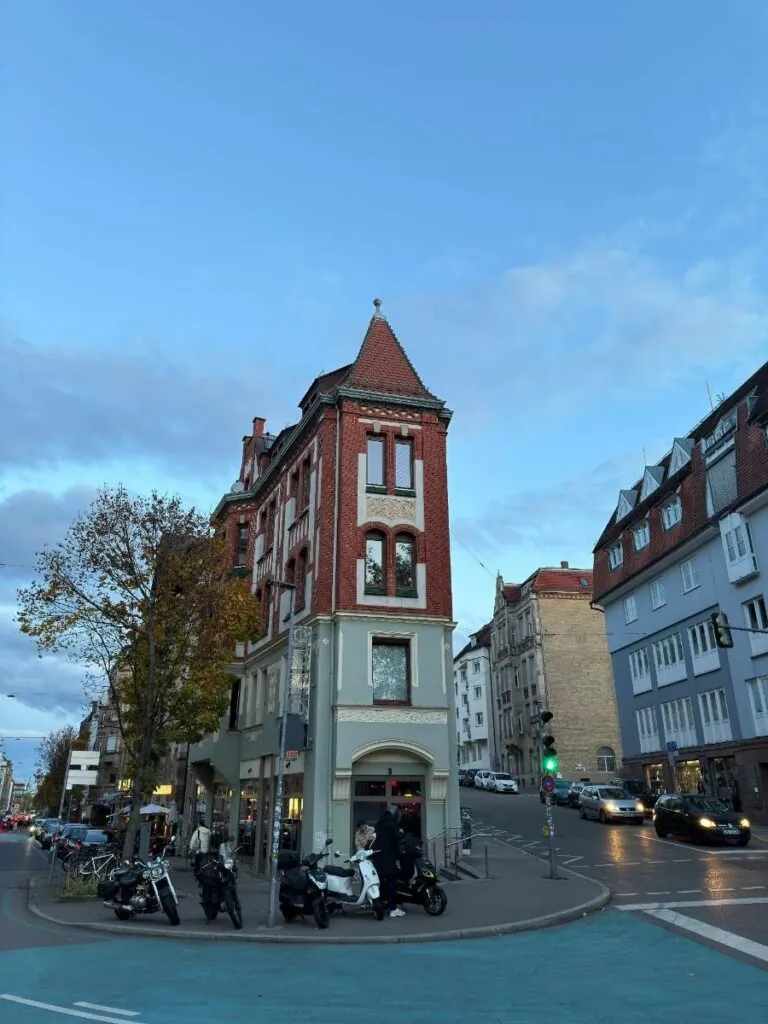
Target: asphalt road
(701,887)
(47,975)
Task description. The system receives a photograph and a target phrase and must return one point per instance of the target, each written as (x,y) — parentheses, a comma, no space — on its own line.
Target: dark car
(560,795)
(641,791)
(470,776)
(700,818)
(71,837)
(93,839)
(49,830)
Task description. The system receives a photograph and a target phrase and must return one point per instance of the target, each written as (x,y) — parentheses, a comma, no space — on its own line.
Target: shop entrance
(372,795)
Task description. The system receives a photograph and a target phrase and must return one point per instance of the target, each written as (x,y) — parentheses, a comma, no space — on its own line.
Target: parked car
(502,782)
(574,794)
(71,837)
(482,779)
(93,839)
(609,803)
(560,794)
(471,776)
(47,832)
(642,792)
(700,818)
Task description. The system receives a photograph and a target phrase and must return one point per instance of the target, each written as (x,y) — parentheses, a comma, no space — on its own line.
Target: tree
(139,589)
(52,764)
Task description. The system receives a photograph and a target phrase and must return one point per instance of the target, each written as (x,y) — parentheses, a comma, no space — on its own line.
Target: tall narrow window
(375,462)
(306,478)
(301,580)
(391,671)
(404,464)
(375,579)
(405,564)
(271,511)
(242,543)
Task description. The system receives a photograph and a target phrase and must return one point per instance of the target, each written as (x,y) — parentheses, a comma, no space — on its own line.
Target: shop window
(373,788)
(375,576)
(405,565)
(407,788)
(391,671)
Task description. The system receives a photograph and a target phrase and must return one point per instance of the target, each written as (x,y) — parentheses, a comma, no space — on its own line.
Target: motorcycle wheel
(122,915)
(234,909)
(211,911)
(289,914)
(435,900)
(320,914)
(170,909)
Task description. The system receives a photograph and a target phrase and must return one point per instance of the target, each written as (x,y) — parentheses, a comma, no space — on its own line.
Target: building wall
(476,742)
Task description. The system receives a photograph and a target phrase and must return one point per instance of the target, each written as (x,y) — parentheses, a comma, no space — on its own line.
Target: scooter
(303,886)
(341,894)
(417,878)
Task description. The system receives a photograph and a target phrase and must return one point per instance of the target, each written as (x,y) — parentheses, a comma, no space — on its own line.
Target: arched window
(375,574)
(405,565)
(606,759)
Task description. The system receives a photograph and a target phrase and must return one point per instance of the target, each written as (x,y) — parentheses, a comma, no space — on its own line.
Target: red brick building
(345,513)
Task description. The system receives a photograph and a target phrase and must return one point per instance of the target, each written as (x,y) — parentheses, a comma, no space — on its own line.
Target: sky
(563,207)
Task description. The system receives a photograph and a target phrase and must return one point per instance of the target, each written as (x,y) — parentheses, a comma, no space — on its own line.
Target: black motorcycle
(144,887)
(217,879)
(303,886)
(417,878)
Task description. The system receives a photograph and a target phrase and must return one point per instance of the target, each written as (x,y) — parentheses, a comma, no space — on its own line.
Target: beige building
(549,652)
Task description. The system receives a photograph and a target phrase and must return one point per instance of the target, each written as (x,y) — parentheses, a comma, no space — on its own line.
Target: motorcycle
(144,887)
(417,878)
(217,879)
(341,894)
(303,886)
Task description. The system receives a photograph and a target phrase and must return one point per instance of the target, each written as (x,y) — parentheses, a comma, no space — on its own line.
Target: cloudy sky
(563,206)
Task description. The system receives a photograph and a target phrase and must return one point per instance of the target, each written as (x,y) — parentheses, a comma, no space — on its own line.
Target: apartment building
(549,652)
(690,539)
(475,738)
(341,523)
(6,783)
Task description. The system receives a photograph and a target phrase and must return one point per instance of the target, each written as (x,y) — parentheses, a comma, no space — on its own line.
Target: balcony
(298,531)
(522,645)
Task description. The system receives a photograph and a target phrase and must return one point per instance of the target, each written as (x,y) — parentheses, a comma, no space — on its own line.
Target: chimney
(563,565)
(258,426)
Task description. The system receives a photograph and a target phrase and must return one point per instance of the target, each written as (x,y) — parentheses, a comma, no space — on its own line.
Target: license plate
(731,831)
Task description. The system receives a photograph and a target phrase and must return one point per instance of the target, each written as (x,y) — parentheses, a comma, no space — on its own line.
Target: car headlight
(640,806)
(745,823)
(707,823)
(229,863)
(611,807)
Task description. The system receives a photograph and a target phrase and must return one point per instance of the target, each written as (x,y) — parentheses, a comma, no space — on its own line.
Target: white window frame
(647,723)
(757,689)
(479,719)
(715,718)
(640,670)
(671,512)
(669,657)
(740,558)
(658,593)
(679,723)
(630,608)
(641,535)
(689,574)
(756,618)
(615,555)
(705,654)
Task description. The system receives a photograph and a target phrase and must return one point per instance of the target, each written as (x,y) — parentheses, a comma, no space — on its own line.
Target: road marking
(742,901)
(660,892)
(746,888)
(688,892)
(108,1009)
(627,893)
(707,931)
(654,862)
(609,865)
(572,860)
(681,860)
(534,843)
(721,890)
(83,1015)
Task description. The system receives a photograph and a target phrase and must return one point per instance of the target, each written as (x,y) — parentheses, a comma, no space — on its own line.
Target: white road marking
(108,1009)
(747,888)
(627,893)
(707,931)
(742,901)
(721,890)
(609,865)
(682,860)
(660,892)
(688,892)
(534,843)
(572,860)
(82,1014)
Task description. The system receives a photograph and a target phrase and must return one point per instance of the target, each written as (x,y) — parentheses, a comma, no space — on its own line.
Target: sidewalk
(518,897)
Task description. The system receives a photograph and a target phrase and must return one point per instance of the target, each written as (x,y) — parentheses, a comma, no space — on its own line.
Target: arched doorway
(391,774)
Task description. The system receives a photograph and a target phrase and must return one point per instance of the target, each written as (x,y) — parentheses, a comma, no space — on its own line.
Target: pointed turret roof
(382,364)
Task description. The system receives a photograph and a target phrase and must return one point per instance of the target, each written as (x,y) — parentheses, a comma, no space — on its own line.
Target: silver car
(610,803)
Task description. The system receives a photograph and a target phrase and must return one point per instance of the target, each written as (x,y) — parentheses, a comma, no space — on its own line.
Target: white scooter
(341,894)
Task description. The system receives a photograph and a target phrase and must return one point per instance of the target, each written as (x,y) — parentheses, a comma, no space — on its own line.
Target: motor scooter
(303,886)
(417,878)
(341,891)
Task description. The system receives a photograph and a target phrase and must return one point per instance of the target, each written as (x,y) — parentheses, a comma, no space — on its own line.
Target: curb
(273,938)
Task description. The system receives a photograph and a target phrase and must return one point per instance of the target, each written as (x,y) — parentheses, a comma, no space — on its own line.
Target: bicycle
(96,865)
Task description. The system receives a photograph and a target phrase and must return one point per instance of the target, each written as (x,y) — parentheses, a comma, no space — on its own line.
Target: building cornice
(408,401)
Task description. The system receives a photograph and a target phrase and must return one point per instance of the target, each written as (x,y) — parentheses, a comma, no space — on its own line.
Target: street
(46,973)
(701,891)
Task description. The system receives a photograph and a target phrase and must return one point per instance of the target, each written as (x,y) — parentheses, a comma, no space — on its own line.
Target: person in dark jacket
(385,859)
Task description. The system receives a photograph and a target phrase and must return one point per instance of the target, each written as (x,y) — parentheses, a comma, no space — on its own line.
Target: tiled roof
(552,581)
(382,364)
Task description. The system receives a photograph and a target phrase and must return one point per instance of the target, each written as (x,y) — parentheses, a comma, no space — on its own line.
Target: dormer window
(627,501)
(681,454)
(641,535)
(654,475)
(615,555)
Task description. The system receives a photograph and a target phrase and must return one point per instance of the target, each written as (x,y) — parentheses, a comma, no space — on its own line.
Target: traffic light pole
(551,837)
(548,761)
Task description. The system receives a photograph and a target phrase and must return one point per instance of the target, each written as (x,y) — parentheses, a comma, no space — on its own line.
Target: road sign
(671,747)
(548,783)
(545,831)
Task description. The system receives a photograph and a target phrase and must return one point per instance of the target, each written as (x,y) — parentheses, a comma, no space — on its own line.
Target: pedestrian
(364,834)
(736,796)
(385,858)
(200,843)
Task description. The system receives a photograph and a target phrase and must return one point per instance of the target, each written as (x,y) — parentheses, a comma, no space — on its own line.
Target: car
(71,837)
(482,779)
(574,794)
(642,792)
(93,839)
(471,776)
(502,782)
(700,818)
(47,832)
(609,803)
(560,793)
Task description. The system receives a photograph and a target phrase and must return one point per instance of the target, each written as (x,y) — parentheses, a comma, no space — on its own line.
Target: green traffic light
(550,765)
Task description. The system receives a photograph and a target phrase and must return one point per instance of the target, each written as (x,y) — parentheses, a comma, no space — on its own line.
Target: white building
(474,709)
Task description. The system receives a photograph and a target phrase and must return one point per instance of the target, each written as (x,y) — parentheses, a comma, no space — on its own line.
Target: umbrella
(153,809)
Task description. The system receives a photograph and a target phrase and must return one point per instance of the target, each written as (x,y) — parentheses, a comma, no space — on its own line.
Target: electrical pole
(277,807)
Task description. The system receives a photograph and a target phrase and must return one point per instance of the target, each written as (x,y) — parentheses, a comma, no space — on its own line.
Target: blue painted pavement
(608,969)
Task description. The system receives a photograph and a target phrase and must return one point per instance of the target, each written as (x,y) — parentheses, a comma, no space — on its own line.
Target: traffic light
(549,762)
(723,637)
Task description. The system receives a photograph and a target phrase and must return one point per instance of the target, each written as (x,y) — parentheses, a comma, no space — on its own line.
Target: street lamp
(277,806)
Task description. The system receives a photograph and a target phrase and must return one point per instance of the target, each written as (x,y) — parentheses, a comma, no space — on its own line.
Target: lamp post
(277,804)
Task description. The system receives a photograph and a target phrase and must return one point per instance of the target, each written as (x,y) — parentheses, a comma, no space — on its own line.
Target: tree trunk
(137,797)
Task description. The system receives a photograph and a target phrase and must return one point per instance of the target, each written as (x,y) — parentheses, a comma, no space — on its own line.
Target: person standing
(200,844)
(385,858)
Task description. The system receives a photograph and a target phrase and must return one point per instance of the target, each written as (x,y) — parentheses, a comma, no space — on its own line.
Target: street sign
(548,783)
(671,746)
(291,755)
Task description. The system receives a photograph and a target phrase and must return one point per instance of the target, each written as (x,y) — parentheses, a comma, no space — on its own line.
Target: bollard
(487,875)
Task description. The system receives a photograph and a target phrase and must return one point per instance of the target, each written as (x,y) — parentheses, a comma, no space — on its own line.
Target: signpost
(548,783)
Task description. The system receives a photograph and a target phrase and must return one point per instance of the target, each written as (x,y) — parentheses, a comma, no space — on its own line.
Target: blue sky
(563,207)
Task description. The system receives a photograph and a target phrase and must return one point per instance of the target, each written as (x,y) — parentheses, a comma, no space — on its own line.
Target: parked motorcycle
(303,886)
(417,878)
(144,887)
(217,879)
(341,891)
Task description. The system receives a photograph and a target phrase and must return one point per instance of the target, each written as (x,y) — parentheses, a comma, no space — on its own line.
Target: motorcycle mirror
(337,853)
(329,842)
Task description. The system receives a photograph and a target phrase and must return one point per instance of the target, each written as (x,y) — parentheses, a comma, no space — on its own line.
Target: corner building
(350,507)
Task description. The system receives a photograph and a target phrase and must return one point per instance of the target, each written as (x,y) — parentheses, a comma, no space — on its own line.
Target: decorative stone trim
(438,785)
(342,785)
(392,716)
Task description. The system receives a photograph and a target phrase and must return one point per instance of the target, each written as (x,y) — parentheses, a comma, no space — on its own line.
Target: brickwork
(579,682)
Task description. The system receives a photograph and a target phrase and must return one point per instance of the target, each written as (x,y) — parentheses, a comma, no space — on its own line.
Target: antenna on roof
(711,400)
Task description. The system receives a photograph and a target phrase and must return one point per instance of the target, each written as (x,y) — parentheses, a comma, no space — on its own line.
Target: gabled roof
(325,383)
(551,581)
(382,364)
(627,501)
(682,449)
(482,638)
(653,478)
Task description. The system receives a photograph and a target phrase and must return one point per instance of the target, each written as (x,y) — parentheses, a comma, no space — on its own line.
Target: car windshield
(96,837)
(704,803)
(614,793)
(503,776)
(562,784)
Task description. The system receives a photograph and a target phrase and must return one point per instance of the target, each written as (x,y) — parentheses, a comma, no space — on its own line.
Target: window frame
(656,587)
(670,522)
(371,588)
(608,758)
(410,488)
(371,486)
(395,641)
(692,573)
(642,529)
(410,540)
(630,603)
(615,556)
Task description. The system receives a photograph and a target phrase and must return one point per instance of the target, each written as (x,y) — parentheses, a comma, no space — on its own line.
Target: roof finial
(377,308)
